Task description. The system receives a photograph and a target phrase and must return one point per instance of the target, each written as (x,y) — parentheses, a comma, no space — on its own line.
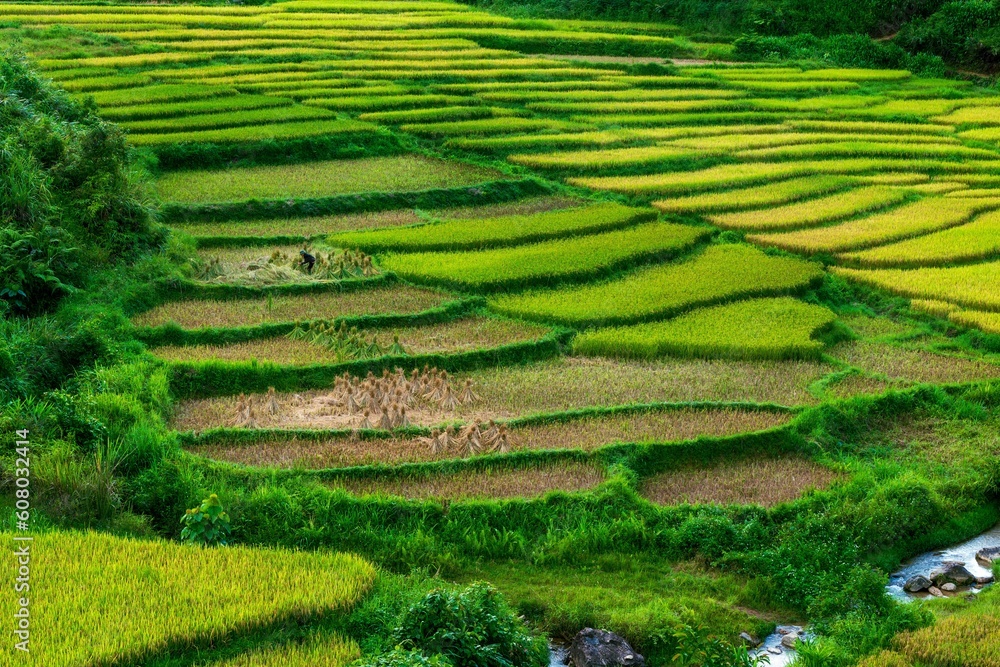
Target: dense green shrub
(70,197)
(846,50)
(473,628)
(963,32)
(774,17)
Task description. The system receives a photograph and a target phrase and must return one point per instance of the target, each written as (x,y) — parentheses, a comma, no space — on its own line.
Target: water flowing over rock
(952,572)
(917,584)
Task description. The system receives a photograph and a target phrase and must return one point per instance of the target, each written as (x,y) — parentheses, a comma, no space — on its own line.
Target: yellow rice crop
(771,194)
(977,319)
(976,240)
(973,286)
(603,158)
(814,211)
(735,175)
(154,594)
(316,651)
(742,141)
(921,217)
(869,127)
(938,308)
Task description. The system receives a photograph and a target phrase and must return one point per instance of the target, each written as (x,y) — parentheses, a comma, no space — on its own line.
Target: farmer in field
(307,261)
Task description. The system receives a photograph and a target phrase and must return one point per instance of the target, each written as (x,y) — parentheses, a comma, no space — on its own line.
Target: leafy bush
(474,628)
(207,524)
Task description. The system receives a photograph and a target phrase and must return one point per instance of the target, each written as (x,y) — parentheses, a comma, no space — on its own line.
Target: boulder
(917,583)
(952,572)
(987,555)
(982,581)
(749,640)
(788,641)
(774,650)
(949,588)
(935,591)
(600,648)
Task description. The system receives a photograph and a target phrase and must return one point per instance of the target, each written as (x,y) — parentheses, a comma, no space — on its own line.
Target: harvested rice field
(480,484)
(757,481)
(319,179)
(587,434)
(392,298)
(896,362)
(449,338)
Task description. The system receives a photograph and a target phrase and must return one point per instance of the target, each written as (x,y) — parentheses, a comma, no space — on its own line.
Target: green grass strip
(720,273)
(780,328)
(495,232)
(550,262)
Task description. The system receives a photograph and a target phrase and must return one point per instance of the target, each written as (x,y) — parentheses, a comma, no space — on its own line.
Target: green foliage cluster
(70,197)
(473,627)
(206,525)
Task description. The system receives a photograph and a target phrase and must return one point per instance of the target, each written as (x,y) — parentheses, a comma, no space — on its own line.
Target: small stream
(925,563)
(777,654)
(558,655)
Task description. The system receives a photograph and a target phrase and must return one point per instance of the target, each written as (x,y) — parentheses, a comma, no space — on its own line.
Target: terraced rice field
(755,329)
(495,178)
(457,336)
(586,434)
(304,307)
(759,481)
(318,179)
(480,484)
